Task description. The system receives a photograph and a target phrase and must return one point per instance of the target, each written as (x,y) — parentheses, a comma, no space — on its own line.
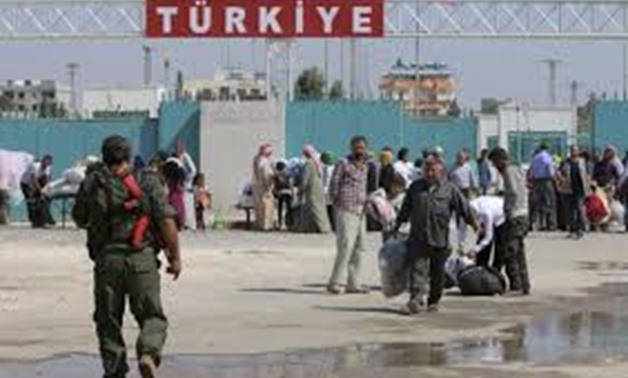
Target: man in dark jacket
(429,205)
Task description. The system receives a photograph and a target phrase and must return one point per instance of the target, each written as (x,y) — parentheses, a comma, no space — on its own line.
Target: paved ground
(244,293)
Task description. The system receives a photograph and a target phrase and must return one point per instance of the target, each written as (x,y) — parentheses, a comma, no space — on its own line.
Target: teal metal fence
(610,124)
(71,140)
(330,126)
(522,145)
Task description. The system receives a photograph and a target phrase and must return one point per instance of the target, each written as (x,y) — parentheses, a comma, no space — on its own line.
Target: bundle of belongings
(596,207)
(461,272)
(70,181)
(380,209)
(13,166)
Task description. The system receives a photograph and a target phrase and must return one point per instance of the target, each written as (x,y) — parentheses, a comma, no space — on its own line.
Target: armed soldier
(111,203)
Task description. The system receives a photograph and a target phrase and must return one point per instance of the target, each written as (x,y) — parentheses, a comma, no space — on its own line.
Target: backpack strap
(107,187)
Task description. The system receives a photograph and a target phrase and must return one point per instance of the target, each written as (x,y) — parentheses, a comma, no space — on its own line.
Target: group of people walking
(434,195)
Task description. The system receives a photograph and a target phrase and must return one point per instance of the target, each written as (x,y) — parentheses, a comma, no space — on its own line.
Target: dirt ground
(247,293)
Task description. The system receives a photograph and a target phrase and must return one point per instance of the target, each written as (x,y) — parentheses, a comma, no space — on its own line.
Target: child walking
(202,200)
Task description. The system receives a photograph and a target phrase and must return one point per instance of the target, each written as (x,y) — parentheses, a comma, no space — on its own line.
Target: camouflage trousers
(118,275)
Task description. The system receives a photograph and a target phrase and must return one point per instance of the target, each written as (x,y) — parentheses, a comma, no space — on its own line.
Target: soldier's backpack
(481,281)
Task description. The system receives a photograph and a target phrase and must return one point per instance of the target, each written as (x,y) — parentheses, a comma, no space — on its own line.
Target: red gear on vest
(136,195)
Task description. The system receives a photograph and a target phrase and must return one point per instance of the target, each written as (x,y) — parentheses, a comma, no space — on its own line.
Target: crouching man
(111,205)
(489,211)
(429,206)
(510,249)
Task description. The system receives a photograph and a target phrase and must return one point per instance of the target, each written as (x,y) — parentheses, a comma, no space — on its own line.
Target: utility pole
(73,72)
(574,93)
(552,64)
(326,68)
(353,69)
(148,65)
(167,83)
(290,73)
(625,72)
(417,56)
(268,63)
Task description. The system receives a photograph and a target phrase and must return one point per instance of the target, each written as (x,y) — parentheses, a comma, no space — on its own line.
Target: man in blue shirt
(543,172)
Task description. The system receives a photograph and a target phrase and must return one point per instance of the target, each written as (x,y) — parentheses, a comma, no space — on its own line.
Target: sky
(484,68)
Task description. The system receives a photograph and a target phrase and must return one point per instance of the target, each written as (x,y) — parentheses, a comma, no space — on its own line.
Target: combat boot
(147,367)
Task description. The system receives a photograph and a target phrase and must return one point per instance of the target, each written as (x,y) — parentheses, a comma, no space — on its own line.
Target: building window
(20,108)
(35,108)
(21,95)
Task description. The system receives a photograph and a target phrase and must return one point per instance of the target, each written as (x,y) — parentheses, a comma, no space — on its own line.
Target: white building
(520,127)
(228,85)
(123,99)
(34,98)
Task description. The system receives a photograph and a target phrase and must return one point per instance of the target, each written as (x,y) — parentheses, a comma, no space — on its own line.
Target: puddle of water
(557,338)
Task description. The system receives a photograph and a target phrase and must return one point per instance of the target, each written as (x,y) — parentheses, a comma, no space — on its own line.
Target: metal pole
(268,67)
(290,86)
(326,68)
(625,70)
(167,83)
(552,64)
(353,69)
(72,71)
(519,137)
(342,63)
(417,52)
(148,65)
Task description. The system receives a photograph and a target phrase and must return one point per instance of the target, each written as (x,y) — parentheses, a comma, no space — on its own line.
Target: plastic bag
(393,268)
(617,212)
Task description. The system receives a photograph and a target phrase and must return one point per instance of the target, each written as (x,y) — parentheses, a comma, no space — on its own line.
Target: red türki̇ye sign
(264,18)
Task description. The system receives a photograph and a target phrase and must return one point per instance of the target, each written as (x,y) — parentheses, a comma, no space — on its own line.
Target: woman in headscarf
(174,175)
(386,170)
(313,212)
(189,167)
(263,187)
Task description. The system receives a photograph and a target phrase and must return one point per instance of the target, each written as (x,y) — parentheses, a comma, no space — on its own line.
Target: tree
(454,110)
(336,92)
(5,104)
(52,109)
(310,85)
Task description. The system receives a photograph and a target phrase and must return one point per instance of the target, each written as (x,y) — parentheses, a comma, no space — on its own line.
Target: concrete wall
(230,135)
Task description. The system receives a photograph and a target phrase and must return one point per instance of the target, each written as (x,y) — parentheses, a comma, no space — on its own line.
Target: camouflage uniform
(120,270)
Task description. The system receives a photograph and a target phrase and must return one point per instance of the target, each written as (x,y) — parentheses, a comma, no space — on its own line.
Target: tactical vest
(121,221)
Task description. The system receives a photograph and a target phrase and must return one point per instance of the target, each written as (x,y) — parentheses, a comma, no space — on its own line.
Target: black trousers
(543,208)
(38,207)
(492,250)
(427,267)
(575,204)
(284,206)
(510,253)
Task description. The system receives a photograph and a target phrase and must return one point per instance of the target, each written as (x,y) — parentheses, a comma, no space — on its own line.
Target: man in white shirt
(36,177)
(404,166)
(490,213)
